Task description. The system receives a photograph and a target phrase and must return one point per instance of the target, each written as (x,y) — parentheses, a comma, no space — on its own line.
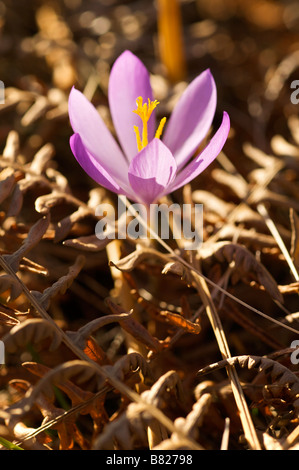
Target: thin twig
(276,235)
(215,321)
(289,441)
(225,436)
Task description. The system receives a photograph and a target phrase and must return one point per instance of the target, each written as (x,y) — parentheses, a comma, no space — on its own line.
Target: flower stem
(122,292)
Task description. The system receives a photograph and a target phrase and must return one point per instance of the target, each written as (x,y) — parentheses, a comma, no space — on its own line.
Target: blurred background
(46,47)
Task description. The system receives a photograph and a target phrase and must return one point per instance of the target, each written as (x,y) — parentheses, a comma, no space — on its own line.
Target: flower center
(144,111)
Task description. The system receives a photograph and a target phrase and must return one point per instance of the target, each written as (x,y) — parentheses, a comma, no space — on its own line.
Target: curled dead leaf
(44,204)
(88,243)
(60,286)
(278,372)
(131,427)
(7,182)
(65,225)
(244,264)
(34,236)
(134,328)
(175,267)
(129,262)
(33,331)
(181,322)
(7,283)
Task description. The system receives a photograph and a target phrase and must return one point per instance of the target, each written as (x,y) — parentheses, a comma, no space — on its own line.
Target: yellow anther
(144,111)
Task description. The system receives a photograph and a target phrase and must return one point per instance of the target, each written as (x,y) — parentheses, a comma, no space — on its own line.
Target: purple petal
(92,167)
(129,79)
(151,171)
(205,158)
(191,118)
(96,138)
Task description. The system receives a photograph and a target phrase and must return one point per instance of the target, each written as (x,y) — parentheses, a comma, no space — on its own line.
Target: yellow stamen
(160,128)
(139,143)
(144,111)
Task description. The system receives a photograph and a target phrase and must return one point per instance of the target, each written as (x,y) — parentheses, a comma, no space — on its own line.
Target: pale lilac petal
(128,80)
(92,167)
(96,137)
(151,170)
(205,158)
(191,118)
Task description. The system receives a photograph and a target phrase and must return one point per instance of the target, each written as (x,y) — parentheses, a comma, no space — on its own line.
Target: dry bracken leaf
(190,425)
(80,336)
(42,158)
(44,204)
(136,329)
(60,286)
(88,243)
(32,331)
(175,267)
(277,372)
(244,264)
(8,283)
(34,236)
(130,428)
(181,322)
(65,225)
(7,182)
(129,262)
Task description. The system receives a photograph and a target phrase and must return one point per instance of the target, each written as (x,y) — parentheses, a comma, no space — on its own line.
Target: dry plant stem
(214,319)
(291,439)
(155,412)
(225,437)
(271,226)
(122,292)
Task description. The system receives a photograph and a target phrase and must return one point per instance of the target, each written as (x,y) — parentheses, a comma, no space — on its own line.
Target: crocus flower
(145,165)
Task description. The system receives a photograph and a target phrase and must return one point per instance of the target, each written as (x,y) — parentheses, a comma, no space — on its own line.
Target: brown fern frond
(31,331)
(277,372)
(244,264)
